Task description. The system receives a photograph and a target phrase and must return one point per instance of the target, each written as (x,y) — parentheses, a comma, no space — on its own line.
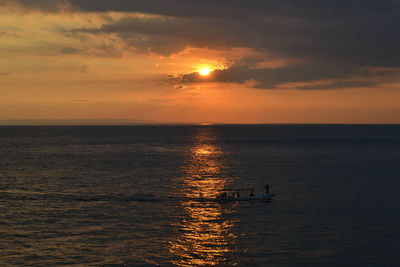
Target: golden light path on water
(205,236)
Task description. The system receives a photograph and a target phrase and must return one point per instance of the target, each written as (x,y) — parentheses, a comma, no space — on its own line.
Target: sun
(205,71)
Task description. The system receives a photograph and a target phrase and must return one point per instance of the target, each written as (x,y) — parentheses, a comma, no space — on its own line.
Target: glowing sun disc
(204,71)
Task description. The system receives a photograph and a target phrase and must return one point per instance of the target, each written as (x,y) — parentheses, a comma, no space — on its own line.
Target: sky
(269,61)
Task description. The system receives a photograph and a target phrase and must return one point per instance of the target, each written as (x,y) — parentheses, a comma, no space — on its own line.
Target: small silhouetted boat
(242,194)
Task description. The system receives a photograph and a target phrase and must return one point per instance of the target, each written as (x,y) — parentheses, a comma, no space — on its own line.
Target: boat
(243,194)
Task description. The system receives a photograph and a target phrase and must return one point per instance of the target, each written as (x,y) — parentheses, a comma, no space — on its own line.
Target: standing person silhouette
(266,189)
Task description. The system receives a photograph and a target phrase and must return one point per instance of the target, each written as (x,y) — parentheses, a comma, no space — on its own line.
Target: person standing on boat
(266,189)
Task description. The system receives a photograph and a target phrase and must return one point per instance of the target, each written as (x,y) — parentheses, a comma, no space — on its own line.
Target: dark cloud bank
(331,40)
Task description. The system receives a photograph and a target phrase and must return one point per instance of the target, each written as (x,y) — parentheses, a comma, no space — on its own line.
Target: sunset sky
(269,61)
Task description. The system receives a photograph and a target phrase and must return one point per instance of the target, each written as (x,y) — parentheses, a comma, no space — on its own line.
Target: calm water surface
(132,195)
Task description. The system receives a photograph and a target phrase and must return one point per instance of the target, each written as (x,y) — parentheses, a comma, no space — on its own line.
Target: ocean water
(132,195)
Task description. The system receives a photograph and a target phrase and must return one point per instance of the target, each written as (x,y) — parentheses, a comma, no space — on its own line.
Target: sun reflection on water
(204,232)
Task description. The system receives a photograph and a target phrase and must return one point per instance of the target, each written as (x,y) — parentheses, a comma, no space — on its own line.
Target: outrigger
(238,194)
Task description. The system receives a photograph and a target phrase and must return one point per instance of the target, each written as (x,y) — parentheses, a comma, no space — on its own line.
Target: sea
(142,195)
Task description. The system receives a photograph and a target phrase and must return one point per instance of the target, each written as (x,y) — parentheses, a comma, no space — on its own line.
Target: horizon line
(133,122)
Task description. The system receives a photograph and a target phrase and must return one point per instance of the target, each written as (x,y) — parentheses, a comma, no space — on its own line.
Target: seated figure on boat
(251,193)
(223,195)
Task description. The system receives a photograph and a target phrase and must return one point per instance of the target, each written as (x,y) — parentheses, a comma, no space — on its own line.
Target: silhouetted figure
(251,193)
(222,196)
(266,189)
(238,194)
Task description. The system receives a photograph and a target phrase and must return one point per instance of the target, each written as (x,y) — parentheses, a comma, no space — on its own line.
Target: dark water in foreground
(125,195)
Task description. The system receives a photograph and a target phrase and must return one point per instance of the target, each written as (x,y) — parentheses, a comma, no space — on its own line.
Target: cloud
(296,76)
(71,50)
(361,32)
(327,39)
(99,50)
(43,5)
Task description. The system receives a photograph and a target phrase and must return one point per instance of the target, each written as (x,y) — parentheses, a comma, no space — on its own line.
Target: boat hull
(247,198)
